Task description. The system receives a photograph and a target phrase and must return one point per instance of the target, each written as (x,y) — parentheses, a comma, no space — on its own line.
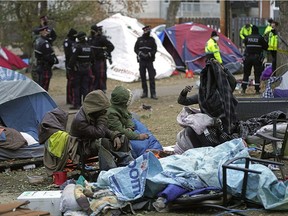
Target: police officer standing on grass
(102,49)
(68,46)
(45,58)
(254,47)
(146,48)
(212,49)
(273,44)
(80,71)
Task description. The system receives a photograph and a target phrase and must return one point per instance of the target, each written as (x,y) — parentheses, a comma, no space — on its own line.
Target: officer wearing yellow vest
(245,31)
(268,29)
(273,44)
(212,49)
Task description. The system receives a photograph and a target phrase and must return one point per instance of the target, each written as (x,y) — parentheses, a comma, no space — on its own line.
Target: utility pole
(223,17)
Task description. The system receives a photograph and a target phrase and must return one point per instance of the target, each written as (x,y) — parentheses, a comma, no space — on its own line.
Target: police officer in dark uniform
(146,48)
(68,45)
(80,71)
(51,36)
(102,49)
(45,58)
(254,47)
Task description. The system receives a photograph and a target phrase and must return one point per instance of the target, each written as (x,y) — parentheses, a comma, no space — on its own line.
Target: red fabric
(13,62)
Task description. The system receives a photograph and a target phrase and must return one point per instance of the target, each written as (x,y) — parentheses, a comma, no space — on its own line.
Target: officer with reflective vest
(212,49)
(80,71)
(273,44)
(45,58)
(245,31)
(254,47)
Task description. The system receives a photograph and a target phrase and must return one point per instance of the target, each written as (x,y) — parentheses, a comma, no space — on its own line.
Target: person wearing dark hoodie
(90,124)
(121,119)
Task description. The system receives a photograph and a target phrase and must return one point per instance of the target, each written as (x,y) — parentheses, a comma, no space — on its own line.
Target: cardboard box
(43,201)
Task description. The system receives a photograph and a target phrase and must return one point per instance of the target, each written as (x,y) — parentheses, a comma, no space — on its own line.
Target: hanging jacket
(215,96)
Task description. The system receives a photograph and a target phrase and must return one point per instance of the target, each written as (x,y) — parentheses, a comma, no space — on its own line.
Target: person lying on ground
(90,124)
(121,119)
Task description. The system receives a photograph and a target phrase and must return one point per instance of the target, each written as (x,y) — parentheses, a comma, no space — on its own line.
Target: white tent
(123,32)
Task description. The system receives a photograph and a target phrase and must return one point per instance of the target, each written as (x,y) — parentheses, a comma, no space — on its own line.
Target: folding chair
(279,145)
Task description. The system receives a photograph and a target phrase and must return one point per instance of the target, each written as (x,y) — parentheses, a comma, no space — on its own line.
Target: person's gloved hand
(143,136)
(117,143)
(187,89)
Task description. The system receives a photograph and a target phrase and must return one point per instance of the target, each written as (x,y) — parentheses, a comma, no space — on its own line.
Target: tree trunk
(172,12)
(282,53)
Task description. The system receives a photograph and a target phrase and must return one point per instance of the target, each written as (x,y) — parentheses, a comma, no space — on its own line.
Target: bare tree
(18,18)
(283,36)
(172,12)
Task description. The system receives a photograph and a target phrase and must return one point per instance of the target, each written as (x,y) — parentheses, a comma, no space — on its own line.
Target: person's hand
(187,88)
(117,143)
(143,136)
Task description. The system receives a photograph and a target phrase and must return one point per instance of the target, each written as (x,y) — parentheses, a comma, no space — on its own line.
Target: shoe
(144,95)
(74,108)
(243,92)
(154,97)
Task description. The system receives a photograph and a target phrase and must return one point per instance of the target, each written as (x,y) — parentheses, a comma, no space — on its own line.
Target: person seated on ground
(90,124)
(218,103)
(120,119)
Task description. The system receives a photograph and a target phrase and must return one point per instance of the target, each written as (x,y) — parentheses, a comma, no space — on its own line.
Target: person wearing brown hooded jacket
(90,125)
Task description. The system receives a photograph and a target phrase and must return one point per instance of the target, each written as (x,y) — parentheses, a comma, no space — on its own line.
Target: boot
(144,95)
(243,92)
(153,96)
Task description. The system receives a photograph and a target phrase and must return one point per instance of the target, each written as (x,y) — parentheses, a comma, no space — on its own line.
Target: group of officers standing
(85,60)
(257,47)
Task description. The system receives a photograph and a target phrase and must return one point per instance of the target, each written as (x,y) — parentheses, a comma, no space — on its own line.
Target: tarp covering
(196,166)
(123,32)
(10,60)
(186,43)
(23,102)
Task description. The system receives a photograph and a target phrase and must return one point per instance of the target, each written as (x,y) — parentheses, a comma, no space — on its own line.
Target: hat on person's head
(146,28)
(214,33)
(94,27)
(42,28)
(255,29)
(81,35)
(44,18)
(270,20)
(247,25)
(72,32)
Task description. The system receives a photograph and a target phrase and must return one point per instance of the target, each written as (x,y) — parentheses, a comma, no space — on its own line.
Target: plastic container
(59,177)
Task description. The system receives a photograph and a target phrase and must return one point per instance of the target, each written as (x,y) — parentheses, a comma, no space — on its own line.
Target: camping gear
(10,60)
(59,177)
(123,32)
(23,104)
(186,43)
(43,201)
(276,83)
